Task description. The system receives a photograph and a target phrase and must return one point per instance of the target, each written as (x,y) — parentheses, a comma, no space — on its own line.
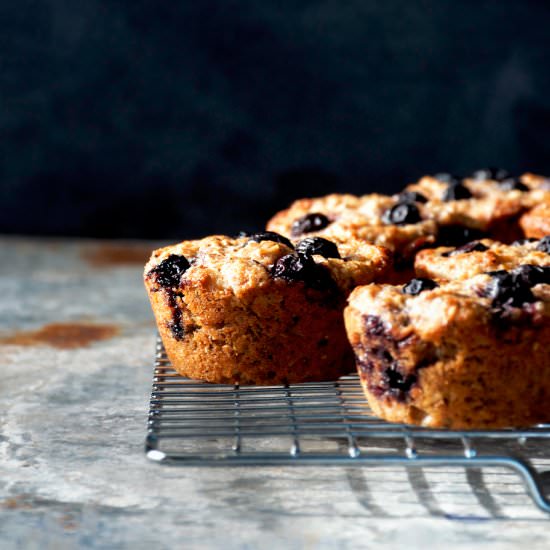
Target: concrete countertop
(76,350)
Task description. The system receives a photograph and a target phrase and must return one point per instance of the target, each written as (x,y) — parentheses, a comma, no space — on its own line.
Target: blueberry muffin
(480,256)
(469,353)
(258,309)
(398,223)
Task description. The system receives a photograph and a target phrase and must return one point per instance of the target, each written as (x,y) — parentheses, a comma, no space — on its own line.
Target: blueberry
(512,184)
(445,177)
(168,273)
(401,213)
(318,245)
(455,192)
(269,236)
(497,174)
(297,267)
(178,332)
(290,267)
(544,245)
(532,275)
(396,381)
(473,246)
(508,289)
(412,196)
(175,325)
(308,223)
(457,235)
(416,286)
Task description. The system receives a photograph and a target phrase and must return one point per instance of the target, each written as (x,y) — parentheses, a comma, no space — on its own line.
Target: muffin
(257,309)
(480,256)
(463,354)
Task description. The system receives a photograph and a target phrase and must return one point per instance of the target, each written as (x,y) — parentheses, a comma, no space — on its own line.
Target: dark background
(177,119)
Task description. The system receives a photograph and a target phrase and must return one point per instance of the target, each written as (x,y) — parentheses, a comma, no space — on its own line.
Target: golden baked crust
(226,315)
(452,357)
(478,257)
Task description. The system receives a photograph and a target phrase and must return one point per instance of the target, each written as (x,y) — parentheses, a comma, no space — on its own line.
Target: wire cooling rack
(328,423)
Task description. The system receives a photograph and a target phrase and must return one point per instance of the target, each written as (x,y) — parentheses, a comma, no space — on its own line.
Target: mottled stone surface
(72,425)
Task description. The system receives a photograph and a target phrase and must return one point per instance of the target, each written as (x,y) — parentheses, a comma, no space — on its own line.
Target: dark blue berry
(176,329)
(455,192)
(168,273)
(497,174)
(544,245)
(297,267)
(396,381)
(416,286)
(508,289)
(309,223)
(532,275)
(401,213)
(457,235)
(412,196)
(270,236)
(175,325)
(473,246)
(318,245)
(512,184)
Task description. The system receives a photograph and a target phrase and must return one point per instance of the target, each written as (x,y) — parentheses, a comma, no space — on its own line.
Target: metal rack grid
(328,423)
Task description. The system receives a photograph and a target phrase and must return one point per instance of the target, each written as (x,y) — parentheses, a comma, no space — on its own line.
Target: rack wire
(328,423)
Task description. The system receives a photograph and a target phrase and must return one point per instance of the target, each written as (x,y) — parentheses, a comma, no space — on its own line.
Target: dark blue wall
(175,119)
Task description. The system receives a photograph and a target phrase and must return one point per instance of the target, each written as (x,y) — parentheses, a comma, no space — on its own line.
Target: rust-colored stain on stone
(16,502)
(10,503)
(108,255)
(62,335)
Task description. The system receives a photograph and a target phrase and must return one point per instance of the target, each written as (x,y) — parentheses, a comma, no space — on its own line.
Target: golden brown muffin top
(513,297)
(244,263)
